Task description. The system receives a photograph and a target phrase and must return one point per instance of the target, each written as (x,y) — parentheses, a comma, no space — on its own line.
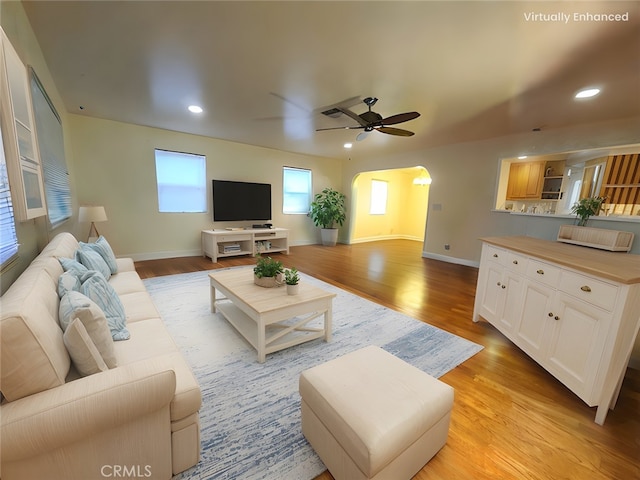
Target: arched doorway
(405,206)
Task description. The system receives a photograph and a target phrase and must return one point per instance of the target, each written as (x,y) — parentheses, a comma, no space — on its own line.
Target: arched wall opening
(405,208)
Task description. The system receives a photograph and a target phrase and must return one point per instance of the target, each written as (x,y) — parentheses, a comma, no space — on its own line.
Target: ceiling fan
(371,120)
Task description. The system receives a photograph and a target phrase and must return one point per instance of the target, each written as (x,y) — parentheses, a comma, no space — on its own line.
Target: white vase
(293,289)
(329,236)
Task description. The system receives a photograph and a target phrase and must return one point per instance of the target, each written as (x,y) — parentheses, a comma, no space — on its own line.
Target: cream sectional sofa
(137,419)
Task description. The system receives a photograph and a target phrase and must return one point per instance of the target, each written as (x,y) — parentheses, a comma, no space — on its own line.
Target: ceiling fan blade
(399,118)
(339,128)
(353,115)
(395,131)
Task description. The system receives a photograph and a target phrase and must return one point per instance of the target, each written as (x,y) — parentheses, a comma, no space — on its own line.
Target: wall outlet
(447,246)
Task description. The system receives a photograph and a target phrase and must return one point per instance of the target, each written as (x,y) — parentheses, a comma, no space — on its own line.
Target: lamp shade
(92,214)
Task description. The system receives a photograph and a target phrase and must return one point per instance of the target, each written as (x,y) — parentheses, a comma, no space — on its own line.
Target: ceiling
(263,71)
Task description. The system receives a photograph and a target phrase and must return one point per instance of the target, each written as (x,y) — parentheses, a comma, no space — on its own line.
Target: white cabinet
(21,149)
(578,326)
(227,243)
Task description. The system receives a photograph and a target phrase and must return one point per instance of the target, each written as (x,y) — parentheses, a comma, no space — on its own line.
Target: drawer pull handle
(551,314)
(495,255)
(540,272)
(585,288)
(504,286)
(555,317)
(515,262)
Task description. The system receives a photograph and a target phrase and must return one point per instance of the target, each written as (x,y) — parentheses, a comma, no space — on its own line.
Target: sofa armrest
(76,410)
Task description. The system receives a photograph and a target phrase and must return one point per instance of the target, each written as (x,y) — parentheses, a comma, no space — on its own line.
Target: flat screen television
(241,201)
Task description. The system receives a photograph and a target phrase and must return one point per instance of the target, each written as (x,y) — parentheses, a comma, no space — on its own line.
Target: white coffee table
(268,318)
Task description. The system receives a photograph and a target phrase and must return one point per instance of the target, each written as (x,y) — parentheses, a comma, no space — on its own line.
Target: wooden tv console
(220,243)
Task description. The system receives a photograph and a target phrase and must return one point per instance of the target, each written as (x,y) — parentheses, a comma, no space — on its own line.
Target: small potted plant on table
(292,279)
(267,272)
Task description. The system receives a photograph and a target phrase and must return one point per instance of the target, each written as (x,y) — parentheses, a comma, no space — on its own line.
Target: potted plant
(267,272)
(327,210)
(292,279)
(586,207)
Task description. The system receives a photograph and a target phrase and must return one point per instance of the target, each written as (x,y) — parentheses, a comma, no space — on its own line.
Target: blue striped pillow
(73,266)
(93,261)
(104,249)
(98,289)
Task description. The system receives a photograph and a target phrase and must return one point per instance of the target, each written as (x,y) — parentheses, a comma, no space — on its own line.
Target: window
(8,239)
(296,194)
(378,197)
(182,182)
(51,145)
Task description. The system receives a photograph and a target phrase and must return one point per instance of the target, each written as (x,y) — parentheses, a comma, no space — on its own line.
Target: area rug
(250,416)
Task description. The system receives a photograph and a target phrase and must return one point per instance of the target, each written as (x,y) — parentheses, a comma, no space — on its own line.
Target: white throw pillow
(76,305)
(82,350)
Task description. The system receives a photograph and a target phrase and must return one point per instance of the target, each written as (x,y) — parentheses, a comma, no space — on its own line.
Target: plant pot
(268,282)
(329,236)
(293,289)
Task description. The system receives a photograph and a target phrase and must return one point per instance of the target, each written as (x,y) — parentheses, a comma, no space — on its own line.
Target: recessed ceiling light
(348,145)
(195,109)
(587,93)
(522,157)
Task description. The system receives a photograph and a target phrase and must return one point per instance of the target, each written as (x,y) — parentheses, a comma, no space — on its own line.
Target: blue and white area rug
(250,417)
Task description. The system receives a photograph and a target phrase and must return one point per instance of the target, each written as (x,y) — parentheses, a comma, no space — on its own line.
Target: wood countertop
(617,266)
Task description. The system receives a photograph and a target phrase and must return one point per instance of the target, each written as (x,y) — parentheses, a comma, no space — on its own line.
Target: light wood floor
(511,419)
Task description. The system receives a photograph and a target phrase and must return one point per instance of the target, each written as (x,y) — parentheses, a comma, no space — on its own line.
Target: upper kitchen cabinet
(525,180)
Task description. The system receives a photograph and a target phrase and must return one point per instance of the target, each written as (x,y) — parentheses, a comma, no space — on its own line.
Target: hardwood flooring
(511,419)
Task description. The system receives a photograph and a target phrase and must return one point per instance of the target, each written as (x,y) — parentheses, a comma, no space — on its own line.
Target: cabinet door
(492,292)
(535,179)
(511,312)
(531,329)
(576,340)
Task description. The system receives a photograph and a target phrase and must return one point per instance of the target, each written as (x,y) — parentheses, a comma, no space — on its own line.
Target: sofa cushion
(33,357)
(62,245)
(127,282)
(102,247)
(98,289)
(138,306)
(93,261)
(75,305)
(84,353)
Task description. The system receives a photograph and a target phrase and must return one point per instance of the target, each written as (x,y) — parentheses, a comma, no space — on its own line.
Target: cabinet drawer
(516,262)
(589,289)
(495,254)
(232,238)
(543,272)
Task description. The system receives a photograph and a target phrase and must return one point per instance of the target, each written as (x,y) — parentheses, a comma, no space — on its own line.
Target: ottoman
(370,415)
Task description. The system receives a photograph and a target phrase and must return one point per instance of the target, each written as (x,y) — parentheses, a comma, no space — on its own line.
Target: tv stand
(252,241)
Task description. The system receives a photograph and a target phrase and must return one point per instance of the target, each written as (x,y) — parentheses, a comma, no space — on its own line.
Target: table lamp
(92,214)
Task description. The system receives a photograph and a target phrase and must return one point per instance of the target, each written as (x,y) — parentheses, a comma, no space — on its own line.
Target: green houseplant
(267,272)
(292,279)
(586,207)
(328,210)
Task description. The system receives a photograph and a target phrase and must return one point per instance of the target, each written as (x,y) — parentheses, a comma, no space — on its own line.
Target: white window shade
(8,238)
(181,180)
(296,191)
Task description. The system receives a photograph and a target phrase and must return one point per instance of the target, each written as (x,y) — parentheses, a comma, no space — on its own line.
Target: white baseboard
(445,258)
(385,237)
(140,257)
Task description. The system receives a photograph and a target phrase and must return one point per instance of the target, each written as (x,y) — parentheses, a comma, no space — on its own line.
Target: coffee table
(268,318)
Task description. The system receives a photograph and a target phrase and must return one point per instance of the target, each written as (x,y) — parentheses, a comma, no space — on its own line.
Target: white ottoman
(370,415)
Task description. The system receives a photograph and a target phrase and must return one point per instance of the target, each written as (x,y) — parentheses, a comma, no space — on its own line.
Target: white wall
(115,165)
(465,180)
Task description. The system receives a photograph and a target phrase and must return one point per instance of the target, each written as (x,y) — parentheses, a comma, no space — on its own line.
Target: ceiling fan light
(362,135)
(587,93)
